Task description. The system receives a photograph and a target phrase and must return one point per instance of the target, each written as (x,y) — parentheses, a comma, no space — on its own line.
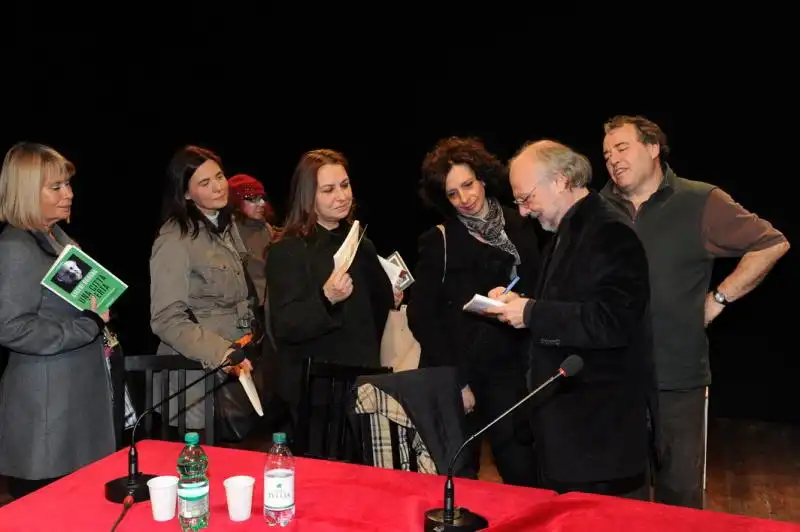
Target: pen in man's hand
(511,285)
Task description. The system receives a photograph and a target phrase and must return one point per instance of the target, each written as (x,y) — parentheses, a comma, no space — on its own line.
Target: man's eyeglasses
(255,199)
(526,198)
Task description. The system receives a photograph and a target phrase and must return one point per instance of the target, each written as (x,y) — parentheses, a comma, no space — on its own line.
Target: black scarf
(491,229)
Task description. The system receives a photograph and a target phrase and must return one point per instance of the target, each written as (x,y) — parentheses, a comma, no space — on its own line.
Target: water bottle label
(193,500)
(278,489)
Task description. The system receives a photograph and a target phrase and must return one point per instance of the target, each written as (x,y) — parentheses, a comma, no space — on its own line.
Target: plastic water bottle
(279,483)
(193,498)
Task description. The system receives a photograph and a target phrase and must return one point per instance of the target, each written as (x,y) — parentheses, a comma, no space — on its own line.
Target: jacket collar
(46,244)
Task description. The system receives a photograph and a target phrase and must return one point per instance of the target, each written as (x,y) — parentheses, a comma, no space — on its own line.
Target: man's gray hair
(560,159)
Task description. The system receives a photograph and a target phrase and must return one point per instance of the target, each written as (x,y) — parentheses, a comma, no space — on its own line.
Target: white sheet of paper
(479,303)
(250,389)
(347,251)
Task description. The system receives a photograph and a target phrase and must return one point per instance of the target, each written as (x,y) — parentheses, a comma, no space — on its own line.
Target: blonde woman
(55,402)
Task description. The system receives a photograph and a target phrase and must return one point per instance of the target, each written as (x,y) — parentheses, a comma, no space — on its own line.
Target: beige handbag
(399,349)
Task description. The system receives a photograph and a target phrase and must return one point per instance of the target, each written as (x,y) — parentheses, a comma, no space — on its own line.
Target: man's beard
(545,225)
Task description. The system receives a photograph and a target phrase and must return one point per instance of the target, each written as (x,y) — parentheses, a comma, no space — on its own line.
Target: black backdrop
(118,94)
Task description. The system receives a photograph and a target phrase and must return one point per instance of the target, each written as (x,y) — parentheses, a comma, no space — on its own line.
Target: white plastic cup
(163,497)
(239,492)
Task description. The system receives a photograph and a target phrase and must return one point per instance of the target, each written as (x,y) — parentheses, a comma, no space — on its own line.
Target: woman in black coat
(481,245)
(315,310)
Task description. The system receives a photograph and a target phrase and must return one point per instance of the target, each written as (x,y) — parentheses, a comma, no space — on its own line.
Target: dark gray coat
(55,401)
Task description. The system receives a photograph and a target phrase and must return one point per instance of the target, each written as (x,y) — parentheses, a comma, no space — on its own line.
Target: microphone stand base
(119,488)
(463,520)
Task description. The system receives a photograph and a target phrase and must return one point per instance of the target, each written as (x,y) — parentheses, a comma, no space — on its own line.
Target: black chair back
(151,365)
(322,412)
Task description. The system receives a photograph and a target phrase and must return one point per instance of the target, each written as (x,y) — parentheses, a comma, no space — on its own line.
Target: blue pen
(511,285)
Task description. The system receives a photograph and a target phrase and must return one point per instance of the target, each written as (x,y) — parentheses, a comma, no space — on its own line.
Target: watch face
(719,298)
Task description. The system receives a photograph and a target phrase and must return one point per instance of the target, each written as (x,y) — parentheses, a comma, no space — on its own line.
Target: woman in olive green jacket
(200,298)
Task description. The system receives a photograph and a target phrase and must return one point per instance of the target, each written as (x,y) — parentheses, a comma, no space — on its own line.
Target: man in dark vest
(683,225)
(592,300)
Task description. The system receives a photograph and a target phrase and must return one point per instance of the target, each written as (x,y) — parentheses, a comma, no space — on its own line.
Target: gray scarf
(491,229)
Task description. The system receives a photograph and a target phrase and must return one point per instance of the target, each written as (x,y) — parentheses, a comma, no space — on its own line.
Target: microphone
(135,483)
(452,518)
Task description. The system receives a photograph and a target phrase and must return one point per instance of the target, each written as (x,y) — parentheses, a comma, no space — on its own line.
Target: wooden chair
(151,365)
(340,440)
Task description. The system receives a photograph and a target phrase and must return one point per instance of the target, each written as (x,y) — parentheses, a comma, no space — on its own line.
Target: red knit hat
(244,186)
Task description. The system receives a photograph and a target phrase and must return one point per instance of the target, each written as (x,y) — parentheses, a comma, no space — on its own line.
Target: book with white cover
(346,253)
(478,304)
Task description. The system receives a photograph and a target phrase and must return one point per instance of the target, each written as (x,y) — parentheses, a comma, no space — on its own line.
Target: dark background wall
(118,94)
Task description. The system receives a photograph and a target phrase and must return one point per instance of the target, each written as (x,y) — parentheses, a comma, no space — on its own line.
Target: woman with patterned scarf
(482,244)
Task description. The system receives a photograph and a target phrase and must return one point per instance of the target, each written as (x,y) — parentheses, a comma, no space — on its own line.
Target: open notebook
(479,303)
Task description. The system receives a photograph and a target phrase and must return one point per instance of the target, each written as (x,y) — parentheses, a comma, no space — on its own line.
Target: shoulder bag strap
(444,238)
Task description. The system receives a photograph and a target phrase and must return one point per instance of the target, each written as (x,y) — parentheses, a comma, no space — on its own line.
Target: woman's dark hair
(449,152)
(301,216)
(175,206)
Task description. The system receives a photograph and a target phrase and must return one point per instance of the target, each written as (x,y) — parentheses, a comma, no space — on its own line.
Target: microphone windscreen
(571,365)
(236,357)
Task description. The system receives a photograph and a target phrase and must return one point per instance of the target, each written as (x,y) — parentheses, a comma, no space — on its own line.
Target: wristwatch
(721,297)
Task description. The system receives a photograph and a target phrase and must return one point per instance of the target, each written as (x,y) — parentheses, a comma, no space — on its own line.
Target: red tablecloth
(330,496)
(579,512)
(338,497)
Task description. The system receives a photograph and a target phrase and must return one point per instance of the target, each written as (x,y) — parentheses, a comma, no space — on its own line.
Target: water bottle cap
(192,438)
(279,437)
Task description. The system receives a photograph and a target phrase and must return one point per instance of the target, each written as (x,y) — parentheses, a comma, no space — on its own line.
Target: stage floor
(753,468)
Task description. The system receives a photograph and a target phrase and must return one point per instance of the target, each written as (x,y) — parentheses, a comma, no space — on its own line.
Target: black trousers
(326,419)
(635,487)
(511,438)
(679,482)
